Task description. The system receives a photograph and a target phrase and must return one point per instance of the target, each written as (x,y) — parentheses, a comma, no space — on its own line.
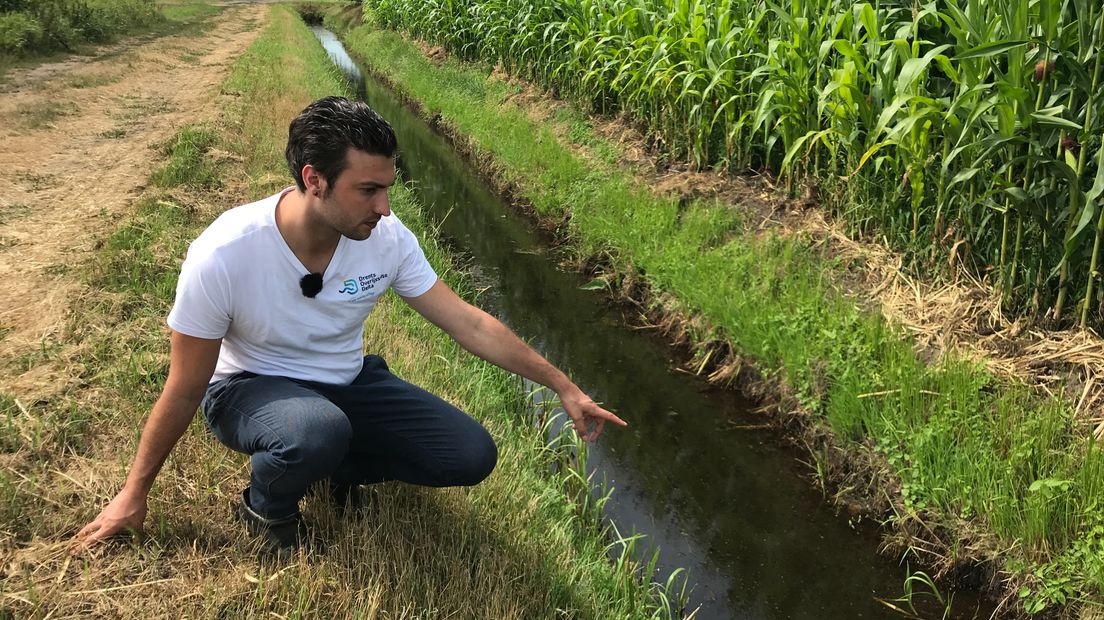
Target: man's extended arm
(191,364)
(488,338)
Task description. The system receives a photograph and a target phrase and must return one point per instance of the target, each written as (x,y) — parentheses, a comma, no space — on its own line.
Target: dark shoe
(280,538)
(345,497)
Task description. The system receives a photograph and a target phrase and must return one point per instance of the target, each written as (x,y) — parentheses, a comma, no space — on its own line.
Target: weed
(47,349)
(136,108)
(189,164)
(57,269)
(34,182)
(916,585)
(190,58)
(13,211)
(92,80)
(42,114)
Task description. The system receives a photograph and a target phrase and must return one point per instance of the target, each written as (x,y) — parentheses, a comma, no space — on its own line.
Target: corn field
(964,133)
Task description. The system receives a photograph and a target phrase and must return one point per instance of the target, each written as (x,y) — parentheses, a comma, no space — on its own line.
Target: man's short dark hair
(323,132)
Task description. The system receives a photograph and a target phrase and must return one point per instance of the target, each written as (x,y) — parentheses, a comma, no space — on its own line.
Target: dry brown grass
(963,317)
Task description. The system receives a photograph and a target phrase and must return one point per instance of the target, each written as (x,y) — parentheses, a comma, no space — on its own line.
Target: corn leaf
(1098,183)
(990,49)
(915,66)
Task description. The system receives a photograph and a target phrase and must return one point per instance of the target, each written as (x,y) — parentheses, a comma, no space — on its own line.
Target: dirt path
(81,139)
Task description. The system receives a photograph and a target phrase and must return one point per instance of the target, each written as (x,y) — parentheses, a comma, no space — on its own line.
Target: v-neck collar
(286,249)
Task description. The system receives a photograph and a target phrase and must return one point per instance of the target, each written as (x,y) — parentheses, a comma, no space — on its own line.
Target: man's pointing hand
(587,416)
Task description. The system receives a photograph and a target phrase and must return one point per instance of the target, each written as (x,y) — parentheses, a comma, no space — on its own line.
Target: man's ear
(314,181)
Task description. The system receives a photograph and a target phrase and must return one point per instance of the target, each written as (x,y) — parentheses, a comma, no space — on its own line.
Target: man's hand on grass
(125,513)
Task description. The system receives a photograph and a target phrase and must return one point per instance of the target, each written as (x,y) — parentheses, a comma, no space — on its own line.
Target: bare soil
(83,137)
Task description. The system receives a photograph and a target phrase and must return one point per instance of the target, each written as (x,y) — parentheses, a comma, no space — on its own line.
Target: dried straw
(963,318)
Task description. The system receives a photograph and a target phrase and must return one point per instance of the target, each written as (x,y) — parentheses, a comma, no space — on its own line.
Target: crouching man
(267,334)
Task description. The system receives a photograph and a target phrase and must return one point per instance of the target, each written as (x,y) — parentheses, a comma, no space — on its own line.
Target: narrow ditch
(697,471)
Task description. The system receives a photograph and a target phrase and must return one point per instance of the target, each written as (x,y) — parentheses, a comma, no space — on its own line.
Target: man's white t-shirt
(240,282)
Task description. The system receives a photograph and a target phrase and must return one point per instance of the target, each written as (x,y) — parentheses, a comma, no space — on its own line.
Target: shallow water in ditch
(697,471)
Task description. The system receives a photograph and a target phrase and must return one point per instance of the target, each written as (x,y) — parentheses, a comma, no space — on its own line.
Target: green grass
(189,162)
(189,11)
(516,546)
(1006,470)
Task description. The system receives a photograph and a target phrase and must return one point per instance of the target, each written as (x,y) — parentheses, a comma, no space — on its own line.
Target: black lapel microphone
(311,284)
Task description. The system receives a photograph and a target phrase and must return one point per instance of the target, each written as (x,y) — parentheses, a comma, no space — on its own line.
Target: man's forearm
(494,342)
(486,336)
(191,364)
(166,423)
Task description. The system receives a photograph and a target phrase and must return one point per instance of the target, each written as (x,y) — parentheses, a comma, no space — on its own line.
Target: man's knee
(318,442)
(479,460)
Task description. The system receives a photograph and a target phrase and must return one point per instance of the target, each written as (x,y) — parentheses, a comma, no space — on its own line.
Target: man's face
(358,198)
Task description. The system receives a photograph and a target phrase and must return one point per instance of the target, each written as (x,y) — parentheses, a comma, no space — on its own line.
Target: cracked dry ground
(81,138)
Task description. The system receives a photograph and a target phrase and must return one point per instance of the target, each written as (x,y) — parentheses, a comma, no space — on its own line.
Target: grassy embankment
(516,546)
(989,472)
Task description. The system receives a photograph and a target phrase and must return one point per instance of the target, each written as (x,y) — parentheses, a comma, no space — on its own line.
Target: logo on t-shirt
(362,284)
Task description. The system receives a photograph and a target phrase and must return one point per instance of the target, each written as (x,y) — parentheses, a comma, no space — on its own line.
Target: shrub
(116,16)
(45,25)
(18,31)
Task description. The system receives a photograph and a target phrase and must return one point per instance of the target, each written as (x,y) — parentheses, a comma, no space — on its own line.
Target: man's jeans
(377,428)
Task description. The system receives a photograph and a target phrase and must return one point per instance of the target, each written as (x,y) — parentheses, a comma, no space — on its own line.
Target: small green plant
(190,58)
(43,114)
(13,211)
(919,584)
(92,80)
(189,162)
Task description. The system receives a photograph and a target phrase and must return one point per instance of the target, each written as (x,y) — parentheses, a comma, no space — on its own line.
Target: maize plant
(963,132)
